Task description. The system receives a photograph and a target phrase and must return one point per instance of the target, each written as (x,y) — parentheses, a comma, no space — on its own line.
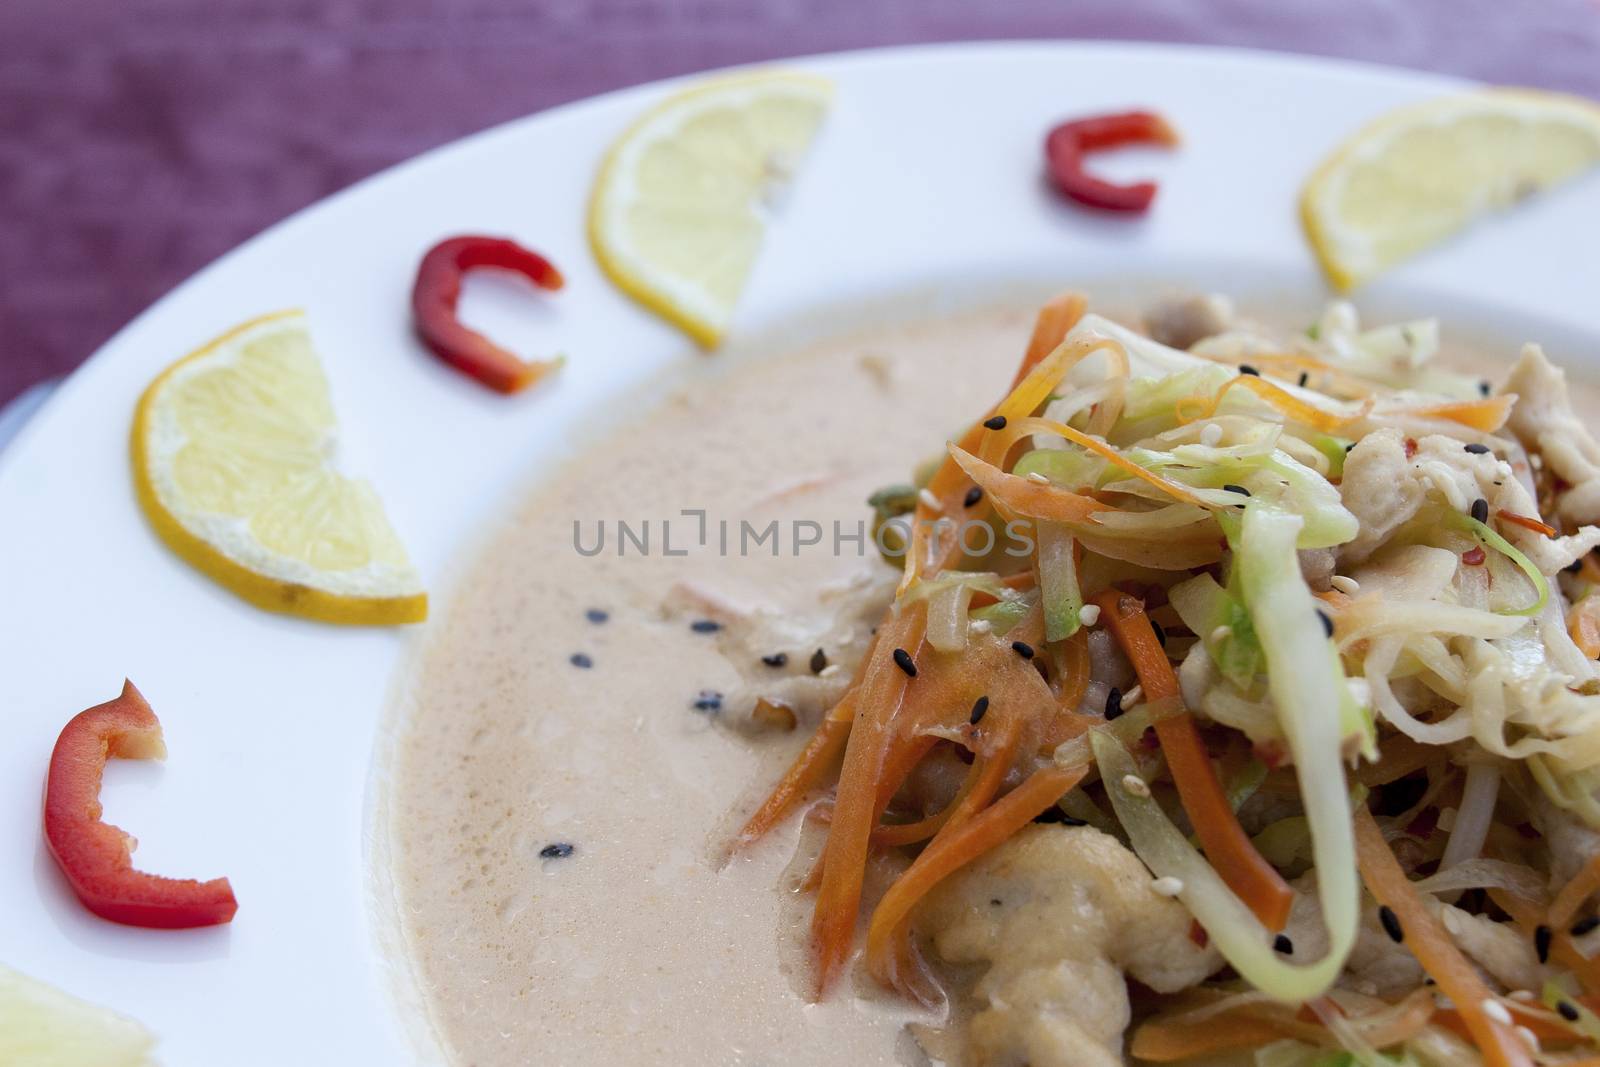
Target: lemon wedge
(43,1027)
(677,213)
(1417,175)
(231,460)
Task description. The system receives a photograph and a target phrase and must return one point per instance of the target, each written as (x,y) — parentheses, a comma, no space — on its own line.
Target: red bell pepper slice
(96,856)
(1069,142)
(438,289)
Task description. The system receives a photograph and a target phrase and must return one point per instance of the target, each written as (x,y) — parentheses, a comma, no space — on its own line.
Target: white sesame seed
(1167,886)
(1037,478)
(829,671)
(1345,584)
(1132,783)
(929,501)
(1089,614)
(1522,995)
(1528,1037)
(1210,434)
(1132,697)
(1221,633)
(1496,1011)
(981,626)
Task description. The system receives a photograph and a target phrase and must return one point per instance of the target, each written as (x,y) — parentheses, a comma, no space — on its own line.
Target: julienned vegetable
(1069,142)
(1227,846)
(95,856)
(433,307)
(1284,585)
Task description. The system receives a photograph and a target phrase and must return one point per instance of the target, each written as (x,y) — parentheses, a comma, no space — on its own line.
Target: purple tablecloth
(139,139)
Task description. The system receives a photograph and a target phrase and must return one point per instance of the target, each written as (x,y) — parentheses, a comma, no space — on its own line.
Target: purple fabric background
(139,139)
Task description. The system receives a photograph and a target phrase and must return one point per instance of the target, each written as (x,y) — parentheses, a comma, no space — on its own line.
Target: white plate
(926,180)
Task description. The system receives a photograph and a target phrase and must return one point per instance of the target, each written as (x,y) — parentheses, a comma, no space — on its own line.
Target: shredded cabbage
(1237,933)
(1309,692)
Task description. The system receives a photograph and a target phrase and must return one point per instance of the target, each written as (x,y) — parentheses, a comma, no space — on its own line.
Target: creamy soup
(641,943)
(568,779)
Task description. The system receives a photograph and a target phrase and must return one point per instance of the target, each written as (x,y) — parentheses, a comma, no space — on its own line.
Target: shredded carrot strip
(1425,936)
(804,774)
(1287,366)
(1227,846)
(898,765)
(948,485)
(1583,623)
(1526,523)
(1527,915)
(1035,389)
(1168,1040)
(1543,1024)
(951,851)
(1074,670)
(1019,496)
(881,693)
(922,829)
(1281,399)
(1024,427)
(987,773)
(1571,896)
(1488,414)
(1055,320)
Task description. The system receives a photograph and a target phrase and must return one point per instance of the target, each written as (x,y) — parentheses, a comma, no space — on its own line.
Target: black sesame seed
(903,660)
(979,709)
(1161,635)
(580,659)
(1113,703)
(1231,488)
(1476,449)
(1483,388)
(558,851)
(1541,942)
(1584,926)
(1305,376)
(1245,368)
(973,496)
(994,902)
(596,616)
(1282,945)
(777,659)
(1480,509)
(1327,622)
(1023,649)
(998,422)
(709,701)
(1391,924)
(819,661)
(705,626)
(1349,446)
(1574,567)
(1567,1010)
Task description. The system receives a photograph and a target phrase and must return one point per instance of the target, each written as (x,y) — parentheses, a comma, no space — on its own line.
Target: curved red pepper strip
(1069,142)
(438,288)
(96,856)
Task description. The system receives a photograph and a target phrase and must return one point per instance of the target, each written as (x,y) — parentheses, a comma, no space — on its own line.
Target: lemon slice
(231,459)
(1420,174)
(43,1027)
(676,217)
